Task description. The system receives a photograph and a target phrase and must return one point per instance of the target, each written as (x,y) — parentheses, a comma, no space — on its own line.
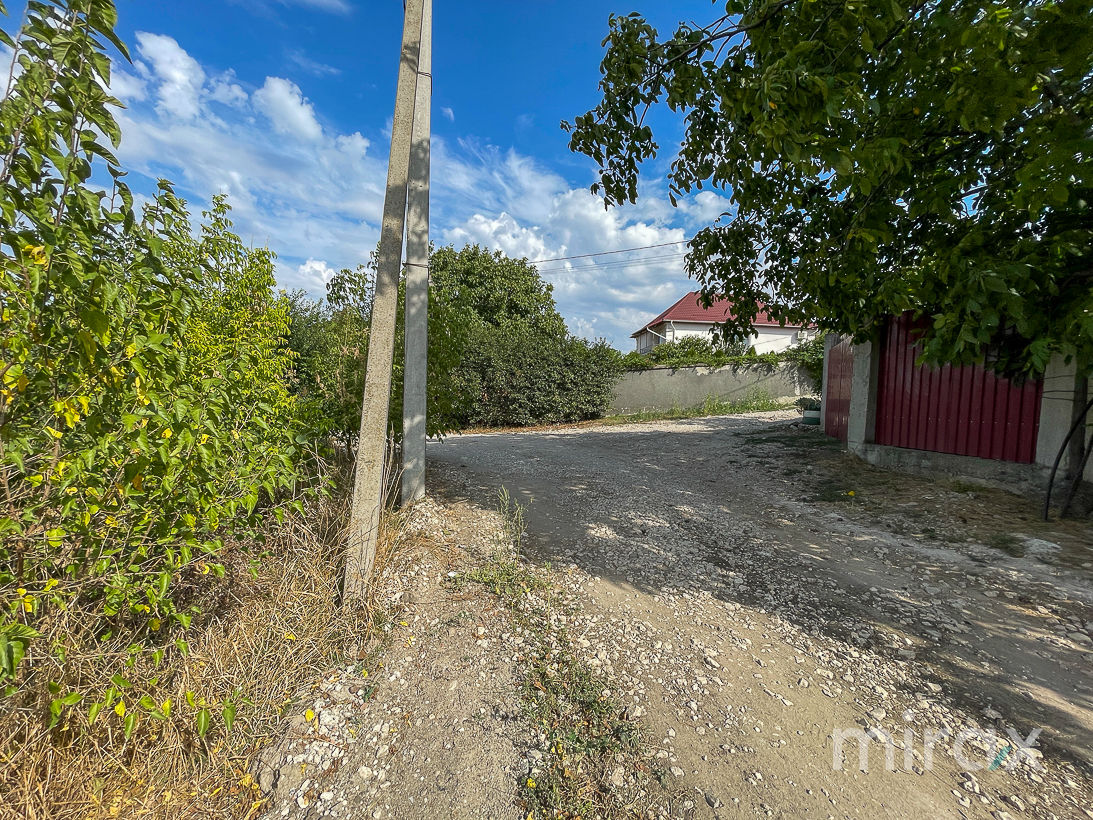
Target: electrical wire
(607,253)
(615,265)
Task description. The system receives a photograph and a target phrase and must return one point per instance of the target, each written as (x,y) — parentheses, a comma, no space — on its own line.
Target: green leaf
(229,716)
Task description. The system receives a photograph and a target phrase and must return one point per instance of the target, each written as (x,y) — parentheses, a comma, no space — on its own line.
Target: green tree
(330,340)
(882,157)
(520,365)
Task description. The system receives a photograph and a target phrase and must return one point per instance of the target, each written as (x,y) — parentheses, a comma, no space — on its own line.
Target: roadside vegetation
(882,158)
(698,351)
(499,352)
(171,513)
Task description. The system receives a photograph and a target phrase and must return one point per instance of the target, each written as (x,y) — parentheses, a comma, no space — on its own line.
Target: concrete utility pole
(416,345)
(367,502)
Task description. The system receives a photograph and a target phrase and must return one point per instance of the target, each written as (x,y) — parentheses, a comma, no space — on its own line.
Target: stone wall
(668,388)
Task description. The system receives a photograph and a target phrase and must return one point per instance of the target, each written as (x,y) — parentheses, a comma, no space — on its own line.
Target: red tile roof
(688,309)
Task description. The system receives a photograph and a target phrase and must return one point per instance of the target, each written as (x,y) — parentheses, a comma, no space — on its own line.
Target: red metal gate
(840,375)
(965,410)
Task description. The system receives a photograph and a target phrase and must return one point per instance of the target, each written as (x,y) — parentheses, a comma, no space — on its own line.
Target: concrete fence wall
(666,388)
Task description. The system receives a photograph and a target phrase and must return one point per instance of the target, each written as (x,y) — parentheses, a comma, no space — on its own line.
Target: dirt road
(756,592)
(715,618)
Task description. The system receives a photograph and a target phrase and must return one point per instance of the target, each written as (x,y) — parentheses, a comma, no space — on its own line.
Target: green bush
(516,376)
(519,365)
(329,338)
(145,415)
(809,356)
(695,351)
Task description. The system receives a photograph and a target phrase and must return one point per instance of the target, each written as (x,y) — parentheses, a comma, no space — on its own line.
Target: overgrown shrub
(694,351)
(499,352)
(145,415)
(516,376)
(809,356)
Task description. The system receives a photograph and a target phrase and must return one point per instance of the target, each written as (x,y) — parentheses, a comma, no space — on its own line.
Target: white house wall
(774,339)
(764,340)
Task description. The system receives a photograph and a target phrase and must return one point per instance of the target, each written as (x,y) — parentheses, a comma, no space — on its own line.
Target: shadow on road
(780,520)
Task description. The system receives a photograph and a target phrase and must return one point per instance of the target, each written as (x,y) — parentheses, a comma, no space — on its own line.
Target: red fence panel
(968,411)
(840,375)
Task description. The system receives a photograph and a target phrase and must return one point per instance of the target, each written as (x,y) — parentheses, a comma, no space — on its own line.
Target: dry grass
(273,633)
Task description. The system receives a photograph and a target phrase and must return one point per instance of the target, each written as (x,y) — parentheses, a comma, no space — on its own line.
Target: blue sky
(285,105)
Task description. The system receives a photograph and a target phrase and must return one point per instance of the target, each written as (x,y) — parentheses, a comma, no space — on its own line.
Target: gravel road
(754,591)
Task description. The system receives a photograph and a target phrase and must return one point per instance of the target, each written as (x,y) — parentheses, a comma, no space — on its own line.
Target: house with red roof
(688,317)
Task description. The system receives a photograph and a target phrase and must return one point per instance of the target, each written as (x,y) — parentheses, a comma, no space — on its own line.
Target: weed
(512,513)
(504,576)
(833,493)
(583,731)
(1007,543)
(958,486)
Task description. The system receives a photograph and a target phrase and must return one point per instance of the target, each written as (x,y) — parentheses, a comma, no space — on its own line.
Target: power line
(607,253)
(617,264)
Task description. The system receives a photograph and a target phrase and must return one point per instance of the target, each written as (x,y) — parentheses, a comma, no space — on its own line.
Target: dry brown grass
(269,639)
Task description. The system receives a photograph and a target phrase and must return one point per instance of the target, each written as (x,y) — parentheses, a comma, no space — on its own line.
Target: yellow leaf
(119,708)
(289,636)
(51,583)
(167,433)
(309,716)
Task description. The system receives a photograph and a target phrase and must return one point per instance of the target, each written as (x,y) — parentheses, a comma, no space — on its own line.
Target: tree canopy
(882,157)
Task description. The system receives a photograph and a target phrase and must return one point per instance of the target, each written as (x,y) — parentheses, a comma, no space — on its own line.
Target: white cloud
(180,76)
(7,56)
(334,6)
(226,90)
(127,87)
(449,113)
(313,275)
(290,112)
(313,66)
(339,6)
(606,296)
(705,207)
